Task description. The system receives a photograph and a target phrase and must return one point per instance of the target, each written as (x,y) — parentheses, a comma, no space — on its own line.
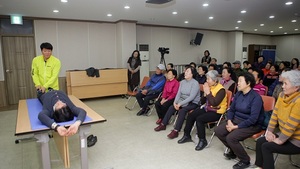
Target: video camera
(163,50)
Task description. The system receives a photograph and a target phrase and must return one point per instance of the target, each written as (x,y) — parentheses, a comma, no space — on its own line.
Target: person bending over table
(286,114)
(244,118)
(57,107)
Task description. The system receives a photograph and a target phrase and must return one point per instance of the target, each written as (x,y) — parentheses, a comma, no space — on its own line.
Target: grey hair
(213,74)
(293,76)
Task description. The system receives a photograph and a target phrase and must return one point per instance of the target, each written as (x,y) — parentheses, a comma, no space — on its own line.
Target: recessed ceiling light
(272,16)
(271,31)
(285,33)
(55,11)
(289,3)
(127,7)
(236,27)
(205,5)
(294,20)
(174,13)
(109,15)
(262,24)
(186,21)
(280,27)
(243,11)
(296,29)
(255,30)
(211,17)
(239,21)
(64,1)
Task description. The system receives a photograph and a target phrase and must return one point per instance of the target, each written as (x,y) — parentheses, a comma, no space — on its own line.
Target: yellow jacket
(286,114)
(45,73)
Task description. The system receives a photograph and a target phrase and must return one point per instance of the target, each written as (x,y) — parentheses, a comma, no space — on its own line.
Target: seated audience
(246,65)
(294,63)
(266,70)
(228,80)
(259,64)
(187,98)
(244,118)
(277,89)
(258,87)
(286,116)
(216,105)
(151,90)
(237,68)
(193,64)
(168,95)
(201,78)
(226,64)
(170,66)
(57,107)
(282,66)
(212,67)
(271,76)
(250,70)
(181,76)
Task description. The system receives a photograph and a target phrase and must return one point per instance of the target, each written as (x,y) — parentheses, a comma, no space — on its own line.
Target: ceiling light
(294,20)
(280,27)
(285,33)
(262,24)
(272,16)
(55,11)
(243,11)
(174,13)
(109,15)
(64,1)
(239,21)
(186,21)
(211,17)
(255,30)
(236,27)
(271,31)
(296,29)
(127,7)
(289,3)
(205,5)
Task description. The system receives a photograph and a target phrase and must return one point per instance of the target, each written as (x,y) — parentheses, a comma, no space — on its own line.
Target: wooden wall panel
(3,99)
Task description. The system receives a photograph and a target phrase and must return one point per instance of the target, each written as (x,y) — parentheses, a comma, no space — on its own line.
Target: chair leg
(127,104)
(151,110)
(293,163)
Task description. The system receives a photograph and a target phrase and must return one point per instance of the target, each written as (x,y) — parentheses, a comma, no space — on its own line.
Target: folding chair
(134,92)
(229,96)
(153,105)
(269,104)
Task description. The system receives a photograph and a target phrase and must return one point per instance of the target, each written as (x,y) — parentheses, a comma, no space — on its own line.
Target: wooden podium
(111,82)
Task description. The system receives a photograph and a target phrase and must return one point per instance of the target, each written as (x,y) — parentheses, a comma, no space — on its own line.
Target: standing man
(45,69)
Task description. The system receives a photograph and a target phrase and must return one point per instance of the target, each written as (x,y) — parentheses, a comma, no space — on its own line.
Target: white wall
(287,47)
(79,45)
(178,40)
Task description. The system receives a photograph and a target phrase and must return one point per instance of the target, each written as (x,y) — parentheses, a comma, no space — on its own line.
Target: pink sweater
(170,89)
(260,89)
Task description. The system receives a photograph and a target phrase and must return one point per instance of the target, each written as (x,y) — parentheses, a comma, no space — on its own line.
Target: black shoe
(201,145)
(92,142)
(230,155)
(241,165)
(90,137)
(141,112)
(185,139)
(146,111)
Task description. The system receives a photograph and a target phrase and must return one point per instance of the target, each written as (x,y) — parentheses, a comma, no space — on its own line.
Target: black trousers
(265,150)
(232,139)
(181,115)
(201,117)
(144,100)
(162,109)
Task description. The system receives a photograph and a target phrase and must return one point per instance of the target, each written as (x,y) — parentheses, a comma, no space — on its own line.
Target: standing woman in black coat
(133,64)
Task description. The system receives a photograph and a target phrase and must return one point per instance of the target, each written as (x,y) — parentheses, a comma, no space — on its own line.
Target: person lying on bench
(57,107)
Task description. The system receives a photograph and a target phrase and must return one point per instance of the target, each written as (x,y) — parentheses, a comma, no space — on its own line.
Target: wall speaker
(198,39)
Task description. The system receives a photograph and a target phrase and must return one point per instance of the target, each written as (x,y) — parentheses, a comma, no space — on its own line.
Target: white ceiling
(226,13)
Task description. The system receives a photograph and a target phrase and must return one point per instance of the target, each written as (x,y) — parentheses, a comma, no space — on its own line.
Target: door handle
(8,71)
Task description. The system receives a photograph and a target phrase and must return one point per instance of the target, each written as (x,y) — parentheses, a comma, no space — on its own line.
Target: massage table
(28,123)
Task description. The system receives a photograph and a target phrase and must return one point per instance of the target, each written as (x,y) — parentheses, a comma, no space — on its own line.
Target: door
(18,53)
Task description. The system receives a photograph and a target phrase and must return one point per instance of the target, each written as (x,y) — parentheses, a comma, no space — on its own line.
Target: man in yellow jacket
(45,69)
